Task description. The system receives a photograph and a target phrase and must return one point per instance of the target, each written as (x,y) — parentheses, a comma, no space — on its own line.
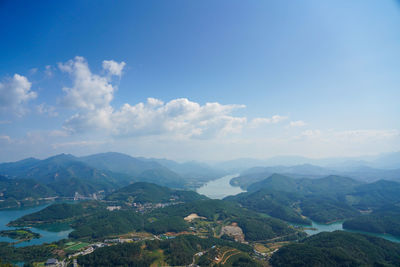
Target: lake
(339,226)
(48,235)
(220,188)
(320,227)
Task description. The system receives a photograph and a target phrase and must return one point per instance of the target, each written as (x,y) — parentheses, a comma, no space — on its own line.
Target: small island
(21,234)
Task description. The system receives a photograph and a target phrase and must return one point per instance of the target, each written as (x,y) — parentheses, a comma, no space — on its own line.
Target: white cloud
(91,95)
(297,123)
(48,71)
(90,91)
(113,67)
(14,93)
(179,116)
(256,122)
(46,109)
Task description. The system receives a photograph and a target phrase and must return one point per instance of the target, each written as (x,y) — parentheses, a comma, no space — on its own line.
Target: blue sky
(311,78)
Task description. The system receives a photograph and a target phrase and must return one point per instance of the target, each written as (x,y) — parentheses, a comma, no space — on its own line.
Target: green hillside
(143,192)
(338,249)
(291,199)
(383,221)
(59,213)
(22,192)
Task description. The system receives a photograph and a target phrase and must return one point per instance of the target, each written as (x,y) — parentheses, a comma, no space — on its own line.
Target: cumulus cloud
(180,117)
(297,123)
(89,91)
(14,93)
(91,95)
(113,67)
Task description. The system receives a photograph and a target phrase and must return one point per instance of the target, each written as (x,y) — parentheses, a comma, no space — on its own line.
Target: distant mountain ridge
(65,175)
(323,200)
(386,161)
(361,173)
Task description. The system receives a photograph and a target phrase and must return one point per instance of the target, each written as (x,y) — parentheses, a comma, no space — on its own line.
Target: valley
(217,224)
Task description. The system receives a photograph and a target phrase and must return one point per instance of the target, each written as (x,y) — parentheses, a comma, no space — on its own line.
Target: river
(220,188)
(48,235)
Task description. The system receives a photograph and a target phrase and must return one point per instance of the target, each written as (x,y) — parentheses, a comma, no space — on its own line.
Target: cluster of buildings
(146,207)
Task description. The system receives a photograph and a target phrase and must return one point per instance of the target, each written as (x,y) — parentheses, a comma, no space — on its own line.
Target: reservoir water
(316,228)
(220,188)
(48,235)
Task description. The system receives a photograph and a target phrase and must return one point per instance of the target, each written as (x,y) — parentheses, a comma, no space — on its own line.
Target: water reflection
(220,188)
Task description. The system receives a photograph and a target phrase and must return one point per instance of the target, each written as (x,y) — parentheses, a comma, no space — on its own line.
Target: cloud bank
(91,96)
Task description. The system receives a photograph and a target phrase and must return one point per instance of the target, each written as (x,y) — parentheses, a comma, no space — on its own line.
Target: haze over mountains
(66,174)
(153,199)
(91,176)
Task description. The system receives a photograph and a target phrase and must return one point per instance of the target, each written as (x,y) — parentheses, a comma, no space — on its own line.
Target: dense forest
(143,192)
(338,249)
(175,252)
(322,200)
(385,220)
(59,213)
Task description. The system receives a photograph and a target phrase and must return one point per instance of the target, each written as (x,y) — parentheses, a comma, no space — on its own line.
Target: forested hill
(327,185)
(323,200)
(143,192)
(338,249)
(21,192)
(65,175)
(385,221)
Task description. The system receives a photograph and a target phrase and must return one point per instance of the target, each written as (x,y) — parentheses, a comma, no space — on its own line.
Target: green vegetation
(277,204)
(59,213)
(90,219)
(106,223)
(2,264)
(322,200)
(22,193)
(143,192)
(256,228)
(20,234)
(178,251)
(170,219)
(27,254)
(76,246)
(375,195)
(381,221)
(338,249)
(326,210)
